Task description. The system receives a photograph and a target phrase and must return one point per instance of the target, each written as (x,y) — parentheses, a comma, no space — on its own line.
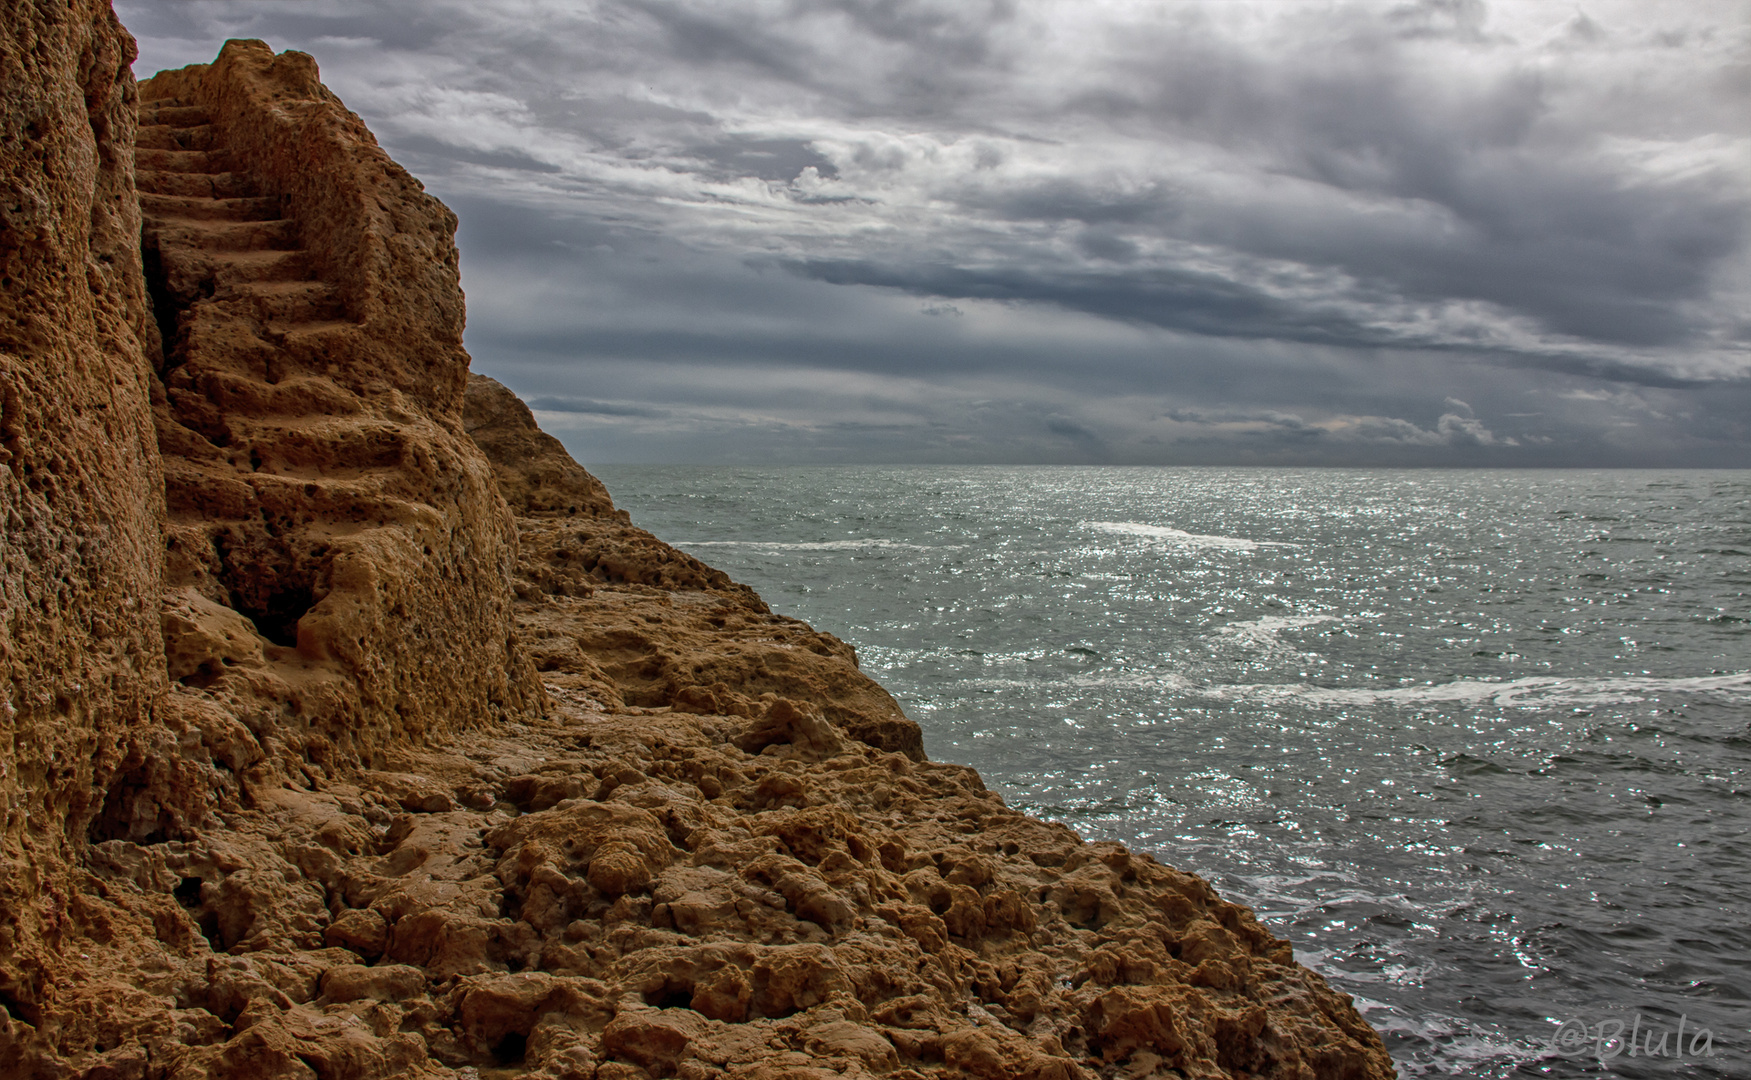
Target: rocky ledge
(351,732)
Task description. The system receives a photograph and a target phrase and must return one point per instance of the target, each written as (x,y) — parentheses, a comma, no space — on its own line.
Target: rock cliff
(81,521)
(351,732)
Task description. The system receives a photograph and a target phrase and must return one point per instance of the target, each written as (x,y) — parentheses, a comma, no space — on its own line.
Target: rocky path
(641,893)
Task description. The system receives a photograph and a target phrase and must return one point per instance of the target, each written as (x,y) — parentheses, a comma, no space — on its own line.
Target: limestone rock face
(81,509)
(351,732)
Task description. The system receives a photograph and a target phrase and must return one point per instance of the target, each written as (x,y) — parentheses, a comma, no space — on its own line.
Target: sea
(1478,743)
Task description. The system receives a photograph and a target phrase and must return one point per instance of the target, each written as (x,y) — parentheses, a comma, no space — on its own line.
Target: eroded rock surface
(81,662)
(421,760)
(635,892)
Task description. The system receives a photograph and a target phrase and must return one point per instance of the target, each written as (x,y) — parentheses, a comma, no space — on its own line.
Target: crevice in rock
(188,894)
(511,1050)
(672,994)
(18,1009)
(131,813)
(165,309)
(11,430)
(276,613)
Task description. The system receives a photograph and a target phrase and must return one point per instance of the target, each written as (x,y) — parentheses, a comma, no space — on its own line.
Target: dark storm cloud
(1179,299)
(1571,248)
(1408,187)
(1286,421)
(1162,231)
(426,146)
(719,38)
(598,408)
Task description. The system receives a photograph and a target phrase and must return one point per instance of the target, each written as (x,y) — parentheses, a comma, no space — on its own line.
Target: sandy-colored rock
(535,474)
(81,517)
(302,809)
(364,932)
(352,982)
(817,914)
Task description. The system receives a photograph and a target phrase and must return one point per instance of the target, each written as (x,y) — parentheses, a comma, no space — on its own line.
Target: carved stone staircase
(320,493)
(242,311)
(191,199)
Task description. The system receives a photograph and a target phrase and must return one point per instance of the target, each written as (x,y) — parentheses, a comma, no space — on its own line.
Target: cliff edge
(351,732)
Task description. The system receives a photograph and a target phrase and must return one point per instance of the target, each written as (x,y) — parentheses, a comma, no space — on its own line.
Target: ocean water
(1477,742)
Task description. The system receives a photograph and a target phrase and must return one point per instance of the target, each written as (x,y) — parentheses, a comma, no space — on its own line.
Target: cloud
(1248,228)
(594,408)
(1451,430)
(1288,421)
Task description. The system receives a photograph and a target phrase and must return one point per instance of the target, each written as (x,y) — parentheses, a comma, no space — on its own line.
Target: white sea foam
(819,545)
(1177,536)
(1539,693)
(1262,633)
(1525,693)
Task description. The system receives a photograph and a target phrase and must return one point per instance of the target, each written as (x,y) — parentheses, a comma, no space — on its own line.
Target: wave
(1537,692)
(1178,536)
(1262,633)
(819,545)
(1529,693)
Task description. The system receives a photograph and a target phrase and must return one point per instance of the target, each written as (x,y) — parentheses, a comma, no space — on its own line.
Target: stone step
(209,209)
(200,214)
(286,303)
(170,137)
(219,185)
(302,333)
(209,235)
(298,332)
(152,112)
(238,267)
(181,161)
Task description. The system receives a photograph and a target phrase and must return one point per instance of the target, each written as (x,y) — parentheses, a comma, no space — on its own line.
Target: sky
(1428,232)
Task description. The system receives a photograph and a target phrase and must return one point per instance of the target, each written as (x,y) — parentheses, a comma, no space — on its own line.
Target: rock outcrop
(610,612)
(353,732)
